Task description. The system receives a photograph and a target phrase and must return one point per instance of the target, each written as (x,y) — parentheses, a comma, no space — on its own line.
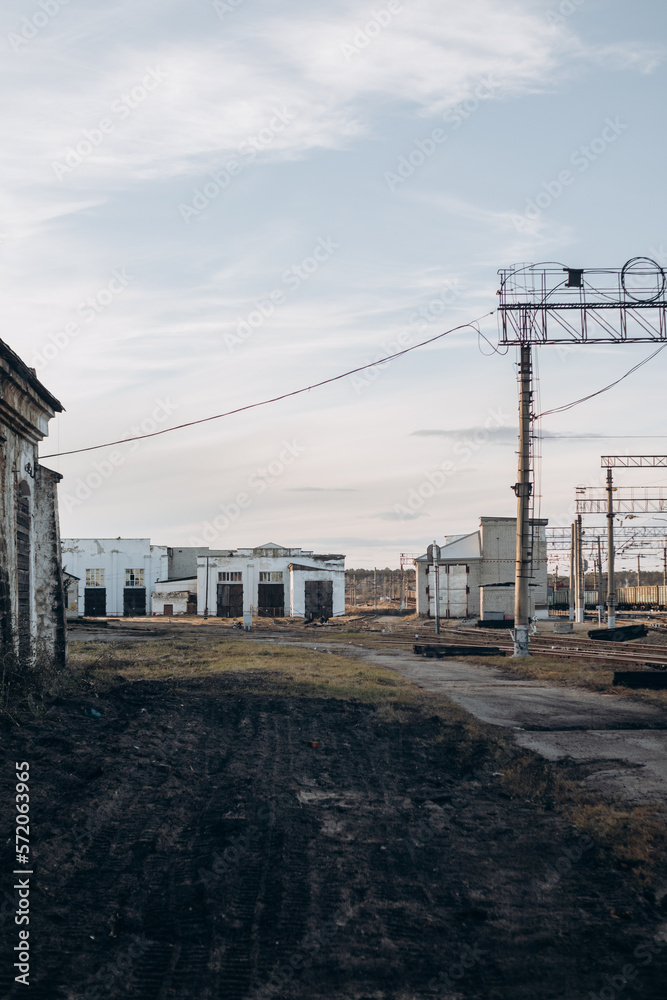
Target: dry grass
(289,670)
(636,835)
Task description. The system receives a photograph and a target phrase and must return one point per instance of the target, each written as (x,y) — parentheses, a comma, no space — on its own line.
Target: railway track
(403,635)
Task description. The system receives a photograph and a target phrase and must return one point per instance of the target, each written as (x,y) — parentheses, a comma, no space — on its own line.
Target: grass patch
(289,670)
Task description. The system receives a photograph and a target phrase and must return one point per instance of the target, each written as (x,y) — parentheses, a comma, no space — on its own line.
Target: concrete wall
(183,562)
(25,410)
(114,556)
(498,543)
(498,566)
(49,595)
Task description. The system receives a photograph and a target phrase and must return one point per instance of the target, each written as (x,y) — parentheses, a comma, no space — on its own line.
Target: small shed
(175,597)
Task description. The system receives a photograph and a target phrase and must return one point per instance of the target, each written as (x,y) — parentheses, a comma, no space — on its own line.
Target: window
(134,577)
(230,577)
(271,577)
(94,577)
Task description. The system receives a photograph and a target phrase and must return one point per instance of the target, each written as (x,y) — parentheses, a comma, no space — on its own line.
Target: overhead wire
(273,399)
(592,395)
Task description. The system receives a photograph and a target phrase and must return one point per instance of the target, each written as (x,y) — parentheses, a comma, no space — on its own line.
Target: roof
(464,549)
(270,545)
(30,376)
(312,569)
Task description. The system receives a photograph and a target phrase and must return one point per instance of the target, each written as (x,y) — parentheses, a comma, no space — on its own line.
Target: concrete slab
(623,743)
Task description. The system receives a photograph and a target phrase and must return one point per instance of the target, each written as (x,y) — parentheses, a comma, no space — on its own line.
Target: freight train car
(641,598)
(627,598)
(559,599)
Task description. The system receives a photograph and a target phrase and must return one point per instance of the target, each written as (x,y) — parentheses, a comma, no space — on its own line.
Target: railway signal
(551,303)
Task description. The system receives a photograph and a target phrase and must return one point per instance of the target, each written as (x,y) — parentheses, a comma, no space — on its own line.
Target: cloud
(499,435)
(320,489)
(391,515)
(221,85)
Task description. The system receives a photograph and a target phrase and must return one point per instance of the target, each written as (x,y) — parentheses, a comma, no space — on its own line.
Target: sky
(209,204)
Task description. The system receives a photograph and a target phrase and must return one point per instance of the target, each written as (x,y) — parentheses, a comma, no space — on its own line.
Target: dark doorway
(134,601)
(230,600)
(23,532)
(271,600)
(168,610)
(95,602)
(319,598)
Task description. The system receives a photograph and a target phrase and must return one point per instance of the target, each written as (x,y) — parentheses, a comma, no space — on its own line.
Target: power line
(594,437)
(592,395)
(274,399)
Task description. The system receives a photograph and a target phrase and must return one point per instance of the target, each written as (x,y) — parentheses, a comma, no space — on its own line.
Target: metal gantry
(551,303)
(645,500)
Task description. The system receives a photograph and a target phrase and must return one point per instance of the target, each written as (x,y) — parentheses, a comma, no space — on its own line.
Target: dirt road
(197,840)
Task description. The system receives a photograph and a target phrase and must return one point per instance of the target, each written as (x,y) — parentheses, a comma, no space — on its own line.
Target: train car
(559,599)
(640,598)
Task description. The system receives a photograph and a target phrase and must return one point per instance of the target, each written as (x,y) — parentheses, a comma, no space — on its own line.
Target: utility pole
(600,598)
(523,490)
(664,567)
(206,598)
(581,608)
(436,570)
(611,594)
(638,571)
(375,588)
(578,617)
(571,603)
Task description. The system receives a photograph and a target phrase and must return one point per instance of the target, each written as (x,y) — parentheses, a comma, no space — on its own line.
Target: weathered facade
(32,610)
(270,581)
(476,573)
(175,597)
(116,575)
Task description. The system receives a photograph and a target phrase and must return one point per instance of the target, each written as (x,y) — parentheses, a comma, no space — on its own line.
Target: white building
(270,581)
(476,573)
(175,597)
(116,575)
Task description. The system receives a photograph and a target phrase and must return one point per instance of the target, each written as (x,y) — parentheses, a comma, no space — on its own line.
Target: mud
(192,842)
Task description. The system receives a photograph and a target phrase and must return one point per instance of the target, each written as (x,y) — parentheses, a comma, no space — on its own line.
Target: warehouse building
(476,573)
(271,581)
(112,577)
(116,575)
(32,607)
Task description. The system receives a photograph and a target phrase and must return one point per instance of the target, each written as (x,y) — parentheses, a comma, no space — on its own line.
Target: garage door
(271,600)
(453,582)
(230,600)
(134,601)
(319,598)
(95,602)
(457,591)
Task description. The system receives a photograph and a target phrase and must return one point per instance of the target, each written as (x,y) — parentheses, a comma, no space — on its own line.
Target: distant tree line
(366,587)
